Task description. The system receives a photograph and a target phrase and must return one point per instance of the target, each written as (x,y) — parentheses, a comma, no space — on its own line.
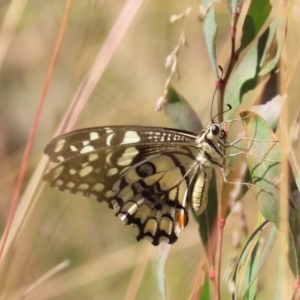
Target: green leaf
(210,31)
(238,173)
(251,261)
(257,62)
(263,157)
(179,113)
(205,290)
(294,236)
(265,173)
(258,13)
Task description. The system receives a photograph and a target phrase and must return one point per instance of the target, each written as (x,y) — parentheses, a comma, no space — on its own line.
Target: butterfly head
(215,132)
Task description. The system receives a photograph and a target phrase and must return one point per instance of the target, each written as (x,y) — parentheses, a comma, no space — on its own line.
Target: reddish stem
(218,257)
(25,159)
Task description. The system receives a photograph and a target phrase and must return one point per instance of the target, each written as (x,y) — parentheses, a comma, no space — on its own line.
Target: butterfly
(149,176)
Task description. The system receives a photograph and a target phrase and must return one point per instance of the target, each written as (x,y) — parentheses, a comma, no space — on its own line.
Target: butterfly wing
(144,175)
(100,138)
(153,195)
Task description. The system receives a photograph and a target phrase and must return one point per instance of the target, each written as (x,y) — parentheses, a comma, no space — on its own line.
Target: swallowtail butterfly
(149,176)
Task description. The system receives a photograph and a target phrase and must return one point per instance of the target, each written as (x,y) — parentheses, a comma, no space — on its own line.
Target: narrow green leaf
(245,262)
(264,164)
(179,113)
(249,284)
(205,291)
(258,13)
(294,237)
(251,261)
(264,255)
(210,31)
(256,63)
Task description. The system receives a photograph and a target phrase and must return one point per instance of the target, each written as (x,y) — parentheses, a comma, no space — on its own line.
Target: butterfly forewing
(148,175)
(92,139)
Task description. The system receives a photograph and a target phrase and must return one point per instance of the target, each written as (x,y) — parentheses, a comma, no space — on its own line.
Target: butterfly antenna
(223,112)
(218,84)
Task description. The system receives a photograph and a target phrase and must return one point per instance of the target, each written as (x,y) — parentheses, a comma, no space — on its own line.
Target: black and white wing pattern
(147,175)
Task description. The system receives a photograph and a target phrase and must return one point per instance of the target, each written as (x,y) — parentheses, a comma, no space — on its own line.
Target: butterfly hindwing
(152,195)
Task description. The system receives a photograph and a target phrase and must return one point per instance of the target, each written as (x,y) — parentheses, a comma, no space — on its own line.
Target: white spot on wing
(59,182)
(72,171)
(127,156)
(59,145)
(108,130)
(58,171)
(83,186)
(108,194)
(94,136)
(116,186)
(108,139)
(87,149)
(108,158)
(73,148)
(130,137)
(93,156)
(70,185)
(85,171)
(112,171)
(98,187)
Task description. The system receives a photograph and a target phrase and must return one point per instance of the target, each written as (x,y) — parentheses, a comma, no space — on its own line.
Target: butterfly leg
(248,184)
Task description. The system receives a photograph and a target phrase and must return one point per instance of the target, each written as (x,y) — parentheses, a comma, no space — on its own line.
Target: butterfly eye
(215,129)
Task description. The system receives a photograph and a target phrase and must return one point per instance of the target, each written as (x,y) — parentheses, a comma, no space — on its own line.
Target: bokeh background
(105,261)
